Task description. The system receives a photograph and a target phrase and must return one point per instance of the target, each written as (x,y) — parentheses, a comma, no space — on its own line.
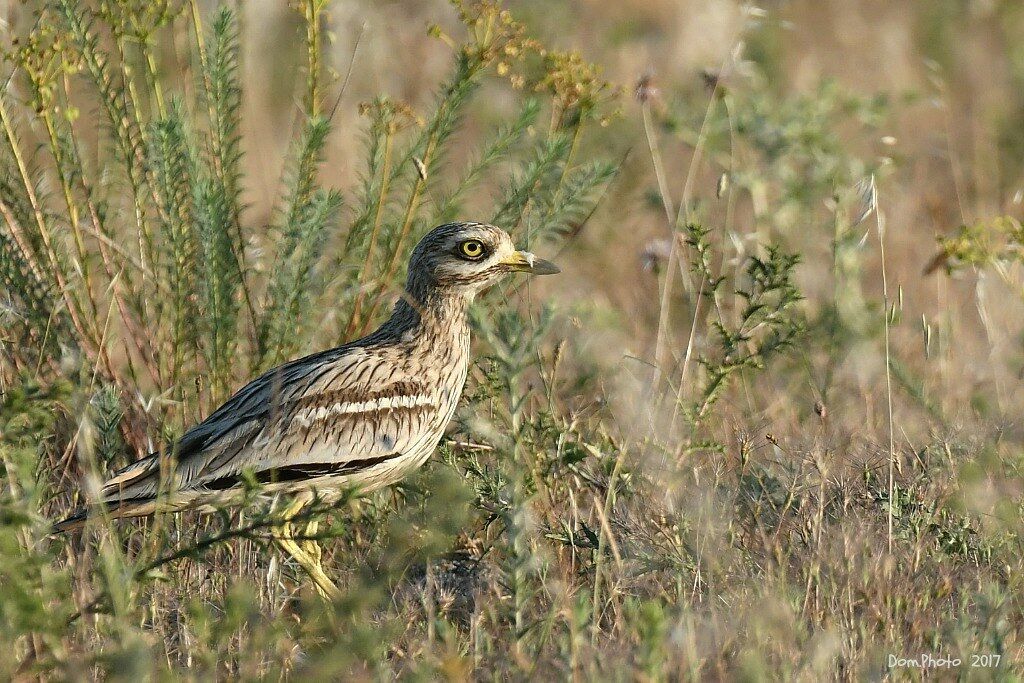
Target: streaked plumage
(361,415)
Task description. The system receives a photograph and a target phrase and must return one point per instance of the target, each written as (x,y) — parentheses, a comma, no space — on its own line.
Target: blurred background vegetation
(765,425)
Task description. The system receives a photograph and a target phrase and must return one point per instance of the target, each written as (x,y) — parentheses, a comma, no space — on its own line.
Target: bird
(357,417)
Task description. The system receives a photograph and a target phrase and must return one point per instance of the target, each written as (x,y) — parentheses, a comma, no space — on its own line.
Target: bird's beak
(528,263)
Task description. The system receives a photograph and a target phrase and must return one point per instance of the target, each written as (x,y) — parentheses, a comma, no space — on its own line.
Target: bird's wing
(332,413)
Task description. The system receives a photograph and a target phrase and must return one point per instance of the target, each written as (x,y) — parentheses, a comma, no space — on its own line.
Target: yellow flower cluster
(497,39)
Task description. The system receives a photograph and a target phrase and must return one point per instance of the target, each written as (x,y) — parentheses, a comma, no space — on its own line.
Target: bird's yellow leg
(308,535)
(309,542)
(310,565)
(307,553)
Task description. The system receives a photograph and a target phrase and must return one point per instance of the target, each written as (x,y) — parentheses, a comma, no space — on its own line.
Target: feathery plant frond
(565,204)
(548,155)
(216,186)
(408,171)
(107,414)
(24,280)
(223,92)
(27,294)
(224,99)
(17,206)
(386,120)
(312,11)
(423,158)
(24,213)
(122,121)
(306,214)
(220,282)
(450,101)
(173,161)
(500,145)
(291,290)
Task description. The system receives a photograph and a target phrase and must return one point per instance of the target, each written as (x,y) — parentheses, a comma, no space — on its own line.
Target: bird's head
(464,258)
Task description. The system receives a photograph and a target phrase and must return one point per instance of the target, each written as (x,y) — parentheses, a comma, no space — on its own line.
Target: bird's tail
(131,492)
(76,520)
(118,509)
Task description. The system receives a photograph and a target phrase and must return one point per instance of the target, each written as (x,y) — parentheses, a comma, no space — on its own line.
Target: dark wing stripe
(299,472)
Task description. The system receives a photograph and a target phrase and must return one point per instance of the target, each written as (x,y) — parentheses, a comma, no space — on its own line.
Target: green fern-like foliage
(28,306)
(501,144)
(307,213)
(173,160)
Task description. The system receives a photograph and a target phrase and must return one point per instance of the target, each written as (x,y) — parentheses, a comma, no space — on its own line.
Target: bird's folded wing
(328,433)
(334,413)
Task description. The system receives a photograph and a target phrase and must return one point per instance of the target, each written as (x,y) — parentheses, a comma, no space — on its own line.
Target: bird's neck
(435,316)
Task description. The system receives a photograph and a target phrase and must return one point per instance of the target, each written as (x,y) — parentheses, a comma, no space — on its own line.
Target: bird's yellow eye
(472,249)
